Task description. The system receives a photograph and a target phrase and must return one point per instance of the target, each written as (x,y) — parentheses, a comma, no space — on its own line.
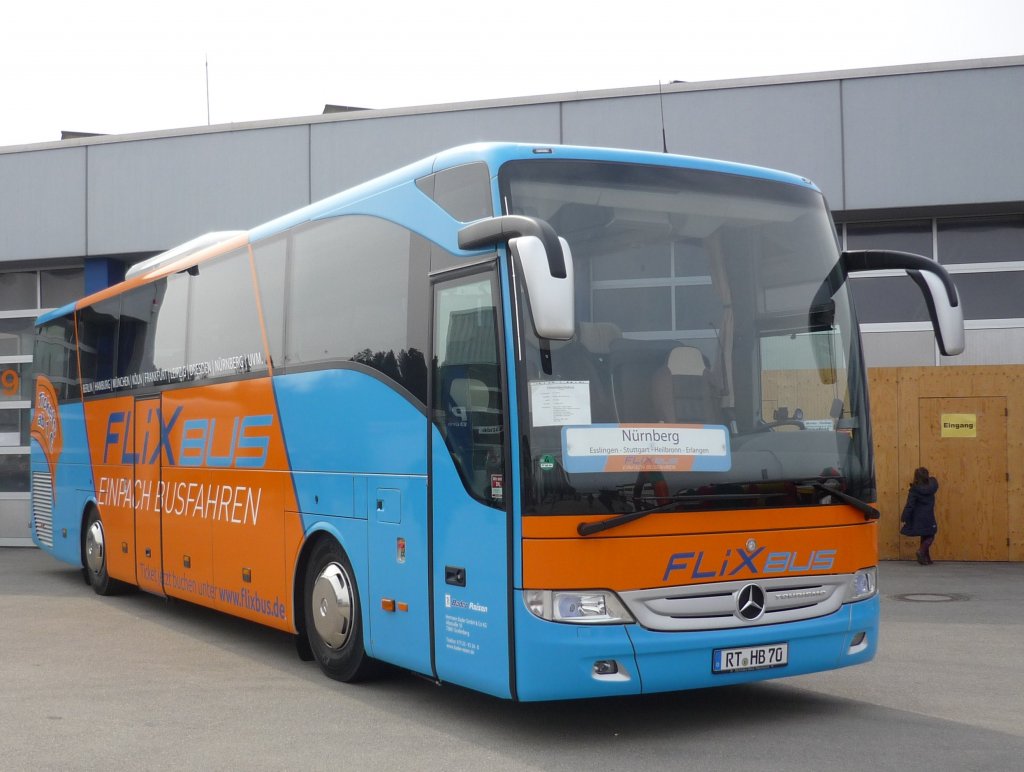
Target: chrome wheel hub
(331,606)
(95,550)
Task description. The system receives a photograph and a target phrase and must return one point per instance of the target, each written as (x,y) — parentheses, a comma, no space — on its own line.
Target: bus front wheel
(333,620)
(94,554)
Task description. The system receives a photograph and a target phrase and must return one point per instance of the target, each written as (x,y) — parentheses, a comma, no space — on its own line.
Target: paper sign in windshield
(560,403)
(646,447)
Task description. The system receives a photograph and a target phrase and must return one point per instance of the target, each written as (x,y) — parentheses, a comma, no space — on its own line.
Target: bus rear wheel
(94,555)
(333,618)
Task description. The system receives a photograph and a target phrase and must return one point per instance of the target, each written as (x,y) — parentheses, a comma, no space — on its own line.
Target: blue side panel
(72,484)
(471,633)
(347,421)
(358,451)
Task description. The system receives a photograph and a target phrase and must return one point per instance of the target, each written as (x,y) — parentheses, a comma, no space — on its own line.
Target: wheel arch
(321,531)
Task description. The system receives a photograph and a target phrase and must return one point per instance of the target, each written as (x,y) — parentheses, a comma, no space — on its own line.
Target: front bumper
(557,661)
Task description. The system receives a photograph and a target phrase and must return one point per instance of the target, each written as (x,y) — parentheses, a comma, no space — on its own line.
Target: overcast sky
(120,66)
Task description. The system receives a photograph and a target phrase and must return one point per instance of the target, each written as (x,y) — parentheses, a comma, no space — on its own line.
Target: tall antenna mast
(661,105)
(207,89)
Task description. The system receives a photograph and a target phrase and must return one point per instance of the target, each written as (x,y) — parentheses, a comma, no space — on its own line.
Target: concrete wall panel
(930,139)
(899,349)
(630,122)
(794,127)
(155,194)
(42,204)
(349,152)
(989,347)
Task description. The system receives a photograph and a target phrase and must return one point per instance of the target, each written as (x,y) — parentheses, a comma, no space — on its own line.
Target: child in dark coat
(919,514)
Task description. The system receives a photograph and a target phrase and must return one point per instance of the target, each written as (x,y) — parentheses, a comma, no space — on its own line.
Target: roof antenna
(661,104)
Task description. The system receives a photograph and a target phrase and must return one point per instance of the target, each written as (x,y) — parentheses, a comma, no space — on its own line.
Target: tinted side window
(165,335)
(270,258)
(462,191)
(137,313)
(223,326)
(53,355)
(97,345)
(351,296)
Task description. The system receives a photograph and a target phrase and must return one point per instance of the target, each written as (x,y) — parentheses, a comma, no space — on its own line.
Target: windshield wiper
(596,526)
(869,512)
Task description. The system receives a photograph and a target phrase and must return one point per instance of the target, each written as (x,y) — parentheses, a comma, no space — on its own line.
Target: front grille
(42,507)
(713,606)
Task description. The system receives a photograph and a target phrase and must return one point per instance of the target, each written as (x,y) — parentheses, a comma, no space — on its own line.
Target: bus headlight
(865,583)
(585,607)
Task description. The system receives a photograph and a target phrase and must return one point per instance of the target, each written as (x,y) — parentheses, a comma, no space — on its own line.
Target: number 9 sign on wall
(10,383)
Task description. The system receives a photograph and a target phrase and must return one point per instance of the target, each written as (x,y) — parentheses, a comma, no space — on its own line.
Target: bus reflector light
(387,604)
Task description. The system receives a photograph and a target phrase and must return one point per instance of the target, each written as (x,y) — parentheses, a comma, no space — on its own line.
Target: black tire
(333,614)
(94,556)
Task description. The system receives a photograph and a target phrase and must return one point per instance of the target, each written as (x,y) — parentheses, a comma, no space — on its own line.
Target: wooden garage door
(971,505)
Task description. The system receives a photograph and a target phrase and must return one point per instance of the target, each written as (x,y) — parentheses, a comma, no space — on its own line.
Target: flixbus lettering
(246,448)
(247,444)
(739,562)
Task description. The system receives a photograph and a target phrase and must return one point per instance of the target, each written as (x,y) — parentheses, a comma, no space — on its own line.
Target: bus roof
(358,200)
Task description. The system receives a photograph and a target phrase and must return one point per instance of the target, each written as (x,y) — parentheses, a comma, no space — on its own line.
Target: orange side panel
(149,557)
(114,480)
(228,491)
(205,480)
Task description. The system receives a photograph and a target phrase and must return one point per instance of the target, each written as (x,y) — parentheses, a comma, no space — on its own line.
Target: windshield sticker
(819,425)
(560,403)
(646,447)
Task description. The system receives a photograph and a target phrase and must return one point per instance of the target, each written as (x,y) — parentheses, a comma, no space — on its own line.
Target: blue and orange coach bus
(545,422)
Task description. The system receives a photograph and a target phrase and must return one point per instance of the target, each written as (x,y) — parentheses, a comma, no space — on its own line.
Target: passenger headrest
(597,337)
(686,360)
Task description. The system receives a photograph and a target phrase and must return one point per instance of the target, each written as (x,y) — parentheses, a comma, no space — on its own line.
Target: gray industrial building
(925,158)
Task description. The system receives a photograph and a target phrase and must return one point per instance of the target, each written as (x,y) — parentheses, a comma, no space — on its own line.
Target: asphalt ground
(136,682)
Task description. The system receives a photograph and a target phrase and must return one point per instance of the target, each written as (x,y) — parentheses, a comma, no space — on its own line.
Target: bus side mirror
(939,291)
(552,300)
(544,261)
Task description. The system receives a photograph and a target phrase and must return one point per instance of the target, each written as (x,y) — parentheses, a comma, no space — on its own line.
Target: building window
(986,255)
(23,295)
(991,294)
(984,240)
(910,236)
(61,286)
(888,300)
(18,290)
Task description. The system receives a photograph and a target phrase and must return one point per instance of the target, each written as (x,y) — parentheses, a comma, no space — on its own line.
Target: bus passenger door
(470,525)
(148,537)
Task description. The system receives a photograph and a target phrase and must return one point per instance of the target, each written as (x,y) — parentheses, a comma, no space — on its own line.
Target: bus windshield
(716,358)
